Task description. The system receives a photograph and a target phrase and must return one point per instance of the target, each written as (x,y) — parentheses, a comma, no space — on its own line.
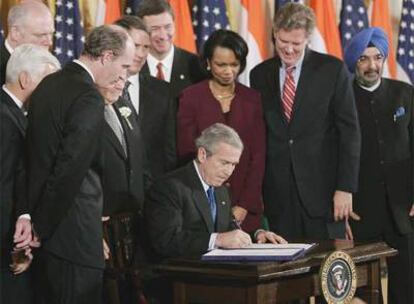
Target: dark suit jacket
(178,216)
(12,174)
(386,180)
(63,141)
(198,110)
(186,70)
(4,58)
(123,183)
(320,145)
(156,120)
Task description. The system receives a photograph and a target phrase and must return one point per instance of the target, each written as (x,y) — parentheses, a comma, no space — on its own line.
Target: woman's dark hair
(229,40)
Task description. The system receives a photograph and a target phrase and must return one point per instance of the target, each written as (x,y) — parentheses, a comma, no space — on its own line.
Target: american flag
(354,18)
(69,37)
(131,7)
(208,16)
(405,53)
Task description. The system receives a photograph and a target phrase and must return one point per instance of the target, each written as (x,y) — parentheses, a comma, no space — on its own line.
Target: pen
(236,224)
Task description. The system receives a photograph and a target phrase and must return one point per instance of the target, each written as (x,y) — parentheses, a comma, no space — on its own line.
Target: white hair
(20,14)
(31,59)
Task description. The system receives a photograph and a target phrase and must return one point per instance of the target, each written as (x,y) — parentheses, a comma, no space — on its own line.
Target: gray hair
(20,14)
(31,59)
(292,16)
(105,38)
(216,134)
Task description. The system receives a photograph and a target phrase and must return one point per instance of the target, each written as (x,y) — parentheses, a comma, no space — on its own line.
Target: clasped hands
(24,240)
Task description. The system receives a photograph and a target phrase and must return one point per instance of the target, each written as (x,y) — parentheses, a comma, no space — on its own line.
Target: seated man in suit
(27,22)
(151,104)
(166,61)
(188,211)
(26,68)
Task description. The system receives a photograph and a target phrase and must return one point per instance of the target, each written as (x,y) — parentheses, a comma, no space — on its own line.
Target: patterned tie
(288,96)
(125,93)
(212,203)
(160,73)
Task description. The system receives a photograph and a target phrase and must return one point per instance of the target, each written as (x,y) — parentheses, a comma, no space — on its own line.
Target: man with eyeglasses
(384,200)
(28,22)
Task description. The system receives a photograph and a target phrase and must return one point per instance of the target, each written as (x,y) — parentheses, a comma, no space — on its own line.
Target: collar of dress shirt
(8,46)
(371,88)
(205,186)
(12,96)
(85,67)
(167,63)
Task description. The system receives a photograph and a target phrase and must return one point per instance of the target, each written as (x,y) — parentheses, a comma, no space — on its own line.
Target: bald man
(384,200)
(27,22)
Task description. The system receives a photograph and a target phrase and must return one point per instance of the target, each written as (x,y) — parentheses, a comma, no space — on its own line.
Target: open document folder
(259,252)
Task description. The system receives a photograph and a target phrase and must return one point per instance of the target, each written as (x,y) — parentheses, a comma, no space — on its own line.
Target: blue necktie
(212,203)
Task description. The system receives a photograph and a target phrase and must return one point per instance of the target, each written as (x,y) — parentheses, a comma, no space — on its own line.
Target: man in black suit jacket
(123,189)
(152,105)
(313,138)
(27,22)
(178,67)
(188,211)
(66,117)
(26,68)
(384,200)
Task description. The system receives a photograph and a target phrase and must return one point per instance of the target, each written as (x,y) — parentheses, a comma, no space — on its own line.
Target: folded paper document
(259,252)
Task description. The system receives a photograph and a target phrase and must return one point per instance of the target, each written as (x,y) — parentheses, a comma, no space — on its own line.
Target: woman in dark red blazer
(222,99)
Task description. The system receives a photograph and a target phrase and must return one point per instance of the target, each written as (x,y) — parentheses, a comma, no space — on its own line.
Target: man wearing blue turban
(384,199)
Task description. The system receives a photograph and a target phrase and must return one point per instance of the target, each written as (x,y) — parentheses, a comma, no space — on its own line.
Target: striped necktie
(288,96)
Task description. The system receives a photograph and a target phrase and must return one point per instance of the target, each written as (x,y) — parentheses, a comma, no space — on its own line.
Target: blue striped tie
(212,203)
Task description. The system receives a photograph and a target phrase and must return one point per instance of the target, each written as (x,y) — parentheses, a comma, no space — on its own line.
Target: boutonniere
(126,112)
(399,112)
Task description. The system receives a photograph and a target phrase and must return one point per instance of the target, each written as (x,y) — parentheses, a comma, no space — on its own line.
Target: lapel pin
(223,203)
(182,76)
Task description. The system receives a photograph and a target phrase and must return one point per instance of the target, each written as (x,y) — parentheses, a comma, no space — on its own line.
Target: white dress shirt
(167,63)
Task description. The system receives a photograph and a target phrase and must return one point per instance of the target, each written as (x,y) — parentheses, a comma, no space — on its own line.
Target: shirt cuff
(25,216)
(212,242)
(257,232)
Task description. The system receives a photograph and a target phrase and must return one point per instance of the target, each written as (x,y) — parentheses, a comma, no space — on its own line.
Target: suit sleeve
(80,137)
(170,142)
(187,130)
(250,198)
(169,235)
(346,122)
(13,174)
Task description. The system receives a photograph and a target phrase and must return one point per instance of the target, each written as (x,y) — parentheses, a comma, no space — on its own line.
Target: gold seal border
(323,275)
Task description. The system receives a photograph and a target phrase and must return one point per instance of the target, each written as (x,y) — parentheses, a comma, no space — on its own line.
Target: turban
(372,36)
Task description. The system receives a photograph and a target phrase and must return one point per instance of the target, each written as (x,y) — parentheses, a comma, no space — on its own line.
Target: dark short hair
(129,22)
(154,7)
(105,38)
(229,40)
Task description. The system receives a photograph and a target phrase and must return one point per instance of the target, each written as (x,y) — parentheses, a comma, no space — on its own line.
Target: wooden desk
(195,281)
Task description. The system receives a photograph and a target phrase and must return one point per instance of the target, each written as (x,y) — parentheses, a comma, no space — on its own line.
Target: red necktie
(288,96)
(160,73)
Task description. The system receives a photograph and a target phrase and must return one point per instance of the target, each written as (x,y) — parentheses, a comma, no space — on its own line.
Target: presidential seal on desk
(338,278)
